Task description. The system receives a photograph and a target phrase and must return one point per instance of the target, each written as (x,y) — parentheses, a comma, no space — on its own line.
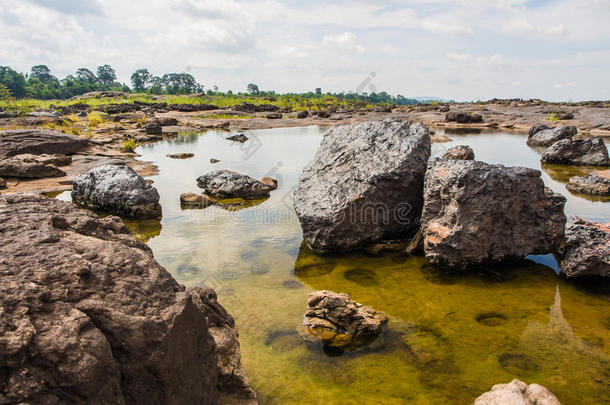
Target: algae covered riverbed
(450,337)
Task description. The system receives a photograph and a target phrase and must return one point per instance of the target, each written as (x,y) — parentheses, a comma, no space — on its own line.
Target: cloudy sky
(459,49)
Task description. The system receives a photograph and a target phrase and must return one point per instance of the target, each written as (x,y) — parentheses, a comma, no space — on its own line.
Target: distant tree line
(40,83)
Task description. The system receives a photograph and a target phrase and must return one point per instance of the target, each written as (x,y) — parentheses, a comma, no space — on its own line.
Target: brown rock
(37,142)
(586,249)
(591,185)
(2,183)
(271,182)
(460,152)
(154,129)
(181,156)
(194,200)
(25,167)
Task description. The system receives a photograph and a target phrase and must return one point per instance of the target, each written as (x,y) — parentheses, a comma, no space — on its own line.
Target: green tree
(85,75)
(42,73)
(253,89)
(318,91)
(140,79)
(13,81)
(106,75)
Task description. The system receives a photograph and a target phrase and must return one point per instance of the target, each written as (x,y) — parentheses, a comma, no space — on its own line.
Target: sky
(466,50)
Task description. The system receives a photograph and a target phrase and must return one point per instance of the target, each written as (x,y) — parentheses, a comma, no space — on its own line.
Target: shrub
(95,119)
(129,145)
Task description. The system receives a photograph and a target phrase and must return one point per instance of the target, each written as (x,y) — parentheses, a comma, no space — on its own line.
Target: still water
(450,337)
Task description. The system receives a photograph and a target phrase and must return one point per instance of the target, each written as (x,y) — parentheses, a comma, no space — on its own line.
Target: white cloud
(345,41)
(563,85)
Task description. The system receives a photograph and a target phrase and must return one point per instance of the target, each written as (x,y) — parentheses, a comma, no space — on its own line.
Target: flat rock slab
(37,142)
(475,212)
(24,167)
(589,152)
(586,249)
(118,190)
(591,185)
(365,184)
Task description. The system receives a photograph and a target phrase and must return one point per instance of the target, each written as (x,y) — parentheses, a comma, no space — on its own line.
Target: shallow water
(449,338)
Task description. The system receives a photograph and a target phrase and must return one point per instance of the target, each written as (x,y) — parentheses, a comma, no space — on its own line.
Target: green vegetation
(552,117)
(129,145)
(95,119)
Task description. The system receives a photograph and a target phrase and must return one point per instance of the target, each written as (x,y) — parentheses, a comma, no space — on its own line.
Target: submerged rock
(238,138)
(228,184)
(586,249)
(475,212)
(590,152)
(37,142)
(28,167)
(117,189)
(541,135)
(89,317)
(517,393)
(194,200)
(592,185)
(460,152)
(181,155)
(341,322)
(364,185)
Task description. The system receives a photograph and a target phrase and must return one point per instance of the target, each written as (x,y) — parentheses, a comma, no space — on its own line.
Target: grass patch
(95,119)
(552,117)
(129,145)
(227,116)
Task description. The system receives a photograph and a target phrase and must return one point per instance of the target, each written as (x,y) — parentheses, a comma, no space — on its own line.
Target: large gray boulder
(117,189)
(591,185)
(541,135)
(340,322)
(365,184)
(89,317)
(590,152)
(517,393)
(37,142)
(228,184)
(586,249)
(475,212)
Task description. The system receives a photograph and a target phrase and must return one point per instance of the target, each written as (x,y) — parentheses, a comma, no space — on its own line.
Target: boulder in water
(541,135)
(586,249)
(590,152)
(229,184)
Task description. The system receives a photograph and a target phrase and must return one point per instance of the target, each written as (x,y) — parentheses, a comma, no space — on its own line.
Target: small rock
(458,117)
(590,152)
(517,393)
(167,122)
(341,322)
(117,189)
(274,116)
(460,152)
(181,156)
(238,138)
(303,114)
(586,249)
(194,200)
(271,182)
(228,184)
(324,114)
(214,160)
(541,135)
(154,129)
(476,117)
(592,185)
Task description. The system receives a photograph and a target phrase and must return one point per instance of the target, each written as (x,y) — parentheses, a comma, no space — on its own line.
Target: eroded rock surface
(541,135)
(37,142)
(586,249)
(592,185)
(117,189)
(341,322)
(89,317)
(365,184)
(460,152)
(229,184)
(590,152)
(28,167)
(475,212)
(517,393)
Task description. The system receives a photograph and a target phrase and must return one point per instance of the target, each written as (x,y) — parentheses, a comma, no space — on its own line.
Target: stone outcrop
(586,249)
(590,152)
(89,317)
(592,185)
(28,167)
(38,142)
(341,322)
(541,135)
(517,393)
(228,184)
(476,212)
(462,117)
(117,189)
(365,184)
(460,152)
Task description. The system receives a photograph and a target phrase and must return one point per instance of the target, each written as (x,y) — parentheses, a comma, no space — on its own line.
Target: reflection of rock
(143,229)
(340,322)
(590,152)
(88,315)
(117,189)
(364,185)
(312,264)
(591,185)
(475,212)
(460,152)
(541,135)
(228,184)
(586,249)
(517,393)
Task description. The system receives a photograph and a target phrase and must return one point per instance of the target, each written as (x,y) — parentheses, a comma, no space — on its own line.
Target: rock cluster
(364,185)
(476,212)
(592,185)
(460,152)
(89,317)
(590,152)
(341,322)
(227,184)
(462,117)
(117,189)
(517,393)
(586,249)
(542,135)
